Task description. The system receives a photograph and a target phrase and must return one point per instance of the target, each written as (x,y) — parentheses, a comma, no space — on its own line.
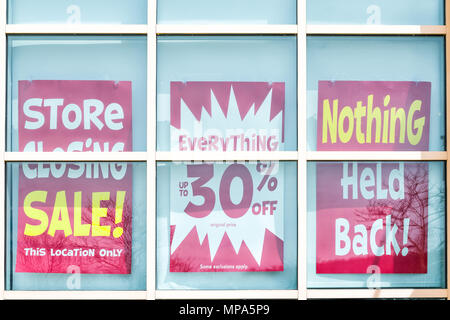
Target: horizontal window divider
(75,295)
(138,29)
(75,156)
(375,30)
(226,29)
(375,293)
(376,155)
(225,156)
(225,294)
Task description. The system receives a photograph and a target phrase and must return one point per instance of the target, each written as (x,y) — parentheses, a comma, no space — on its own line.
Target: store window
(382,226)
(77,12)
(400,12)
(234,220)
(389,94)
(76,226)
(219,94)
(226,12)
(97,102)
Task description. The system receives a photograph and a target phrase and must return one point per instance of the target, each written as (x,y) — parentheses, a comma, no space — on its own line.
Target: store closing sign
(371,214)
(74,214)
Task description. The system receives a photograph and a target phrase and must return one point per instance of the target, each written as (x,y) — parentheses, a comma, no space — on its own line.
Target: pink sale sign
(371,214)
(373,115)
(74,214)
(226,217)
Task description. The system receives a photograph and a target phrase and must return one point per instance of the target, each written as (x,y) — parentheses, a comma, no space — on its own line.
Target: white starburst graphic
(228,132)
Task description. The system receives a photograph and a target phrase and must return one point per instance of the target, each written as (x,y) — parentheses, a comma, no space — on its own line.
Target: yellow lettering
(360,111)
(400,115)
(371,115)
(345,136)
(418,124)
(60,217)
(79,229)
(329,122)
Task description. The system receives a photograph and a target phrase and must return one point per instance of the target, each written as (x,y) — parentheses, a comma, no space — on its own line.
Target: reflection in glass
(82,93)
(399,12)
(226,12)
(236,219)
(379,73)
(77,12)
(219,98)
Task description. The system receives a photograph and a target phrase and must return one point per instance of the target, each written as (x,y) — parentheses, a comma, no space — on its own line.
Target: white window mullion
(301,143)
(151,149)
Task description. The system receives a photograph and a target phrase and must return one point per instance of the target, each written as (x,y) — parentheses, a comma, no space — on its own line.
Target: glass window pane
(76,226)
(84,93)
(75,12)
(398,12)
(382,93)
(376,224)
(227,12)
(238,220)
(230,93)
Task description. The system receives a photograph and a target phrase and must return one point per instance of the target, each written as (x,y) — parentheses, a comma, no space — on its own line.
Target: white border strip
(222,156)
(289,29)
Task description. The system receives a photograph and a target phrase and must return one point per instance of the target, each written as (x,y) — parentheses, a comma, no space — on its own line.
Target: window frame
(301,30)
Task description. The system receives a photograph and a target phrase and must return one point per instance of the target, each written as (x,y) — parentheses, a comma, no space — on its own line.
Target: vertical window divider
(151,149)
(301,146)
(3,14)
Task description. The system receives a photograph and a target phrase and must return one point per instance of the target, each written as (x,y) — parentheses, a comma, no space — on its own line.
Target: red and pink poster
(373,115)
(74,214)
(371,214)
(224,116)
(226,217)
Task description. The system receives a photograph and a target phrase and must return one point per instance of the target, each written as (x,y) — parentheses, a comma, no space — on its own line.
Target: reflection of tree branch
(59,241)
(414,206)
